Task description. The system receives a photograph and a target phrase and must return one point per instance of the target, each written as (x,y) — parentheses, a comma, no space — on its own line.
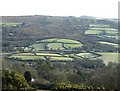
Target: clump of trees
(27,76)
(13,81)
(107,76)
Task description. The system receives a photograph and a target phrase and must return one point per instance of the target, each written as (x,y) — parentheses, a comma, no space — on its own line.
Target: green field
(25,54)
(109,36)
(77,45)
(87,55)
(105,29)
(101,29)
(98,25)
(56,44)
(109,43)
(10,24)
(27,57)
(61,59)
(39,56)
(93,32)
(49,40)
(108,57)
(39,46)
(67,41)
(105,56)
(48,54)
(63,44)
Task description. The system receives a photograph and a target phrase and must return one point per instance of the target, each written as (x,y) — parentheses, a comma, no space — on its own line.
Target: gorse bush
(76,87)
(12,81)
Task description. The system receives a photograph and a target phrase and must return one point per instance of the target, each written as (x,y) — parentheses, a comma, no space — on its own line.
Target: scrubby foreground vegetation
(60,54)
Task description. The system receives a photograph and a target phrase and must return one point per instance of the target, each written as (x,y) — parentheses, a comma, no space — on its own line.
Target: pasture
(27,57)
(40,56)
(56,44)
(87,55)
(39,46)
(108,43)
(100,29)
(105,56)
(10,24)
(109,57)
(98,25)
(61,59)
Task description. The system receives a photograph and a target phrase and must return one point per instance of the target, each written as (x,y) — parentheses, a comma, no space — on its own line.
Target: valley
(58,52)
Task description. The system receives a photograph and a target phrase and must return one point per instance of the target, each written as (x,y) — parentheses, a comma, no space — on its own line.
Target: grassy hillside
(109,57)
(56,44)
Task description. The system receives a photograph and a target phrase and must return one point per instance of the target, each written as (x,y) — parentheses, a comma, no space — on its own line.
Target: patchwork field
(108,43)
(87,55)
(26,57)
(101,29)
(105,56)
(39,56)
(98,25)
(108,57)
(56,44)
(61,45)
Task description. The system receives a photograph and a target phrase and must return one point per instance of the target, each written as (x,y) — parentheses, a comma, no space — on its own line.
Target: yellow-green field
(61,59)
(105,56)
(101,29)
(56,44)
(48,54)
(9,24)
(87,55)
(67,41)
(38,56)
(27,57)
(49,40)
(109,43)
(99,25)
(108,57)
(73,45)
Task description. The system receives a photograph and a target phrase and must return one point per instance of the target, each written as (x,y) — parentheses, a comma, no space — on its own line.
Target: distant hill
(26,30)
(89,17)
